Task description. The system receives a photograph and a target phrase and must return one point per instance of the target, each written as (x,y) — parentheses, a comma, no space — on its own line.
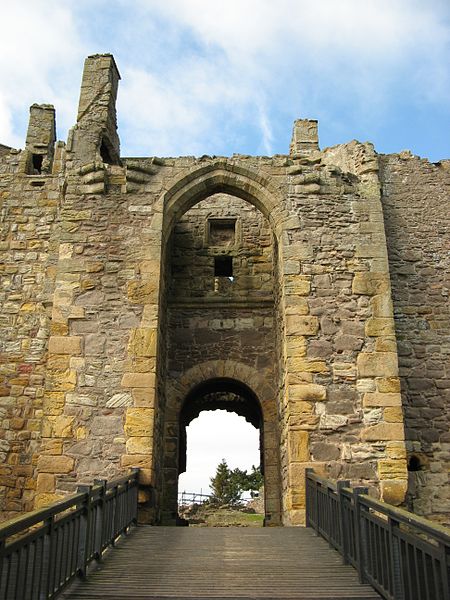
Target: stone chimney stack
(95,138)
(305,137)
(41,137)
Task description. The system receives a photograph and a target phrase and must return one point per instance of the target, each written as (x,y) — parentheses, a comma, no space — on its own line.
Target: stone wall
(29,207)
(114,308)
(415,203)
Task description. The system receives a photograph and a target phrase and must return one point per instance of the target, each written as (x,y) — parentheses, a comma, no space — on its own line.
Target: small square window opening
(223,266)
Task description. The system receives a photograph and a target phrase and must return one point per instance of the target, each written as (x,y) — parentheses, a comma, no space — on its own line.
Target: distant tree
(227,485)
(249,482)
(225,488)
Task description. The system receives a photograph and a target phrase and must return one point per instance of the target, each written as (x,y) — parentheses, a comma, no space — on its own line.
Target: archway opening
(219,303)
(221,420)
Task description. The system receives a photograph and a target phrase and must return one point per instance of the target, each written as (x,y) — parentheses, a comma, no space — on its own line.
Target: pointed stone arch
(221,176)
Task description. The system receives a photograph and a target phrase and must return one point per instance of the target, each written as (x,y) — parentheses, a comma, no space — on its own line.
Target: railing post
(99,526)
(343,529)
(49,553)
(360,533)
(308,484)
(445,566)
(397,584)
(85,533)
(135,472)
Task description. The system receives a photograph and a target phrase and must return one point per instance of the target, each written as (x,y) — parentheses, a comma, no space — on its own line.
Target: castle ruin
(307,292)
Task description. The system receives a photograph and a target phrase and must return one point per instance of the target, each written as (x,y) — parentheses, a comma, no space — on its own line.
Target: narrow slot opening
(37,164)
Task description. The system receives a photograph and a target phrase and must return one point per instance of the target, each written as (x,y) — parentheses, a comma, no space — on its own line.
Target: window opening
(222,232)
(37,163)
(223,267)
(414,463)
(105,153)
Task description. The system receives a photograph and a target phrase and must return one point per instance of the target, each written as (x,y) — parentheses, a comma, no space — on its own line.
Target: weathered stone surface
(55,464)
(383,431)
(382,399)
(138,380)
(308,391)
(139,422)
(297,325)
(394,492)
(284,297)
(298,446)
(64,345)
(377,364)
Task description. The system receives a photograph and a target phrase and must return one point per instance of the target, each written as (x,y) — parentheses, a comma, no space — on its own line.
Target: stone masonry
(307,292)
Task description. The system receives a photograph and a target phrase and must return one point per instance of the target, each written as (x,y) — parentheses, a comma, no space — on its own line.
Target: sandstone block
(393,414)
(323,451)
(377,364)
(297,517)
(297,285)
(45,483)
(301,365)
(143,342)
(369,283)
(308,391)
(295,346)
(299,407)
(106,425)
(396,450)
(394,492)
(297,325)
(119,399)
(143,292)
(139,422)
(138,380)
(385,344)
(55,464)
(298,446)
(388,384)
(382,305)
(141,461)
(139,445)
(44,499)
(146,477)
(392,469)
(382,399)
(378,326)
(383,432)
(62,427)
(64,345)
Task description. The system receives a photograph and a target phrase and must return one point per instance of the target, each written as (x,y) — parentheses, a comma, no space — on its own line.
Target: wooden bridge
(89,547)
(222,562)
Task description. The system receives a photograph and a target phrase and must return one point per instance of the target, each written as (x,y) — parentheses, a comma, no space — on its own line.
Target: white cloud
(218,77)
(41,51)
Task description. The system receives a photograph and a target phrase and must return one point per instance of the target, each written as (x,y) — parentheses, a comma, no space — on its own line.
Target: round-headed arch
(224,176)
(220,370)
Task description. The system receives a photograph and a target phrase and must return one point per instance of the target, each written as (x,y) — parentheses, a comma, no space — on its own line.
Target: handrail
(43,551)
(404,516)
(402,555)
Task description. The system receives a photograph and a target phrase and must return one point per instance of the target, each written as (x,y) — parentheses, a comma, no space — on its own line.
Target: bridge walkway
(221,563)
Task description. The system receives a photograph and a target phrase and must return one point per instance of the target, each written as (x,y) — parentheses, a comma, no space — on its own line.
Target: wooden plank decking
(221,563)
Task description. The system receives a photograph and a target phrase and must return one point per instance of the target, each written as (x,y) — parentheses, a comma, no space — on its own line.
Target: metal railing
(43,551)
(403,556)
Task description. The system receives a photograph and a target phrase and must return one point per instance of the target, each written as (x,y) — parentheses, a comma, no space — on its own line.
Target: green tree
(248,482)
(225,488)
(227,485)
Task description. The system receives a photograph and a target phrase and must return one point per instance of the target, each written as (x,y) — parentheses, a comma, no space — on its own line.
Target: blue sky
(202,77)
(218,77)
